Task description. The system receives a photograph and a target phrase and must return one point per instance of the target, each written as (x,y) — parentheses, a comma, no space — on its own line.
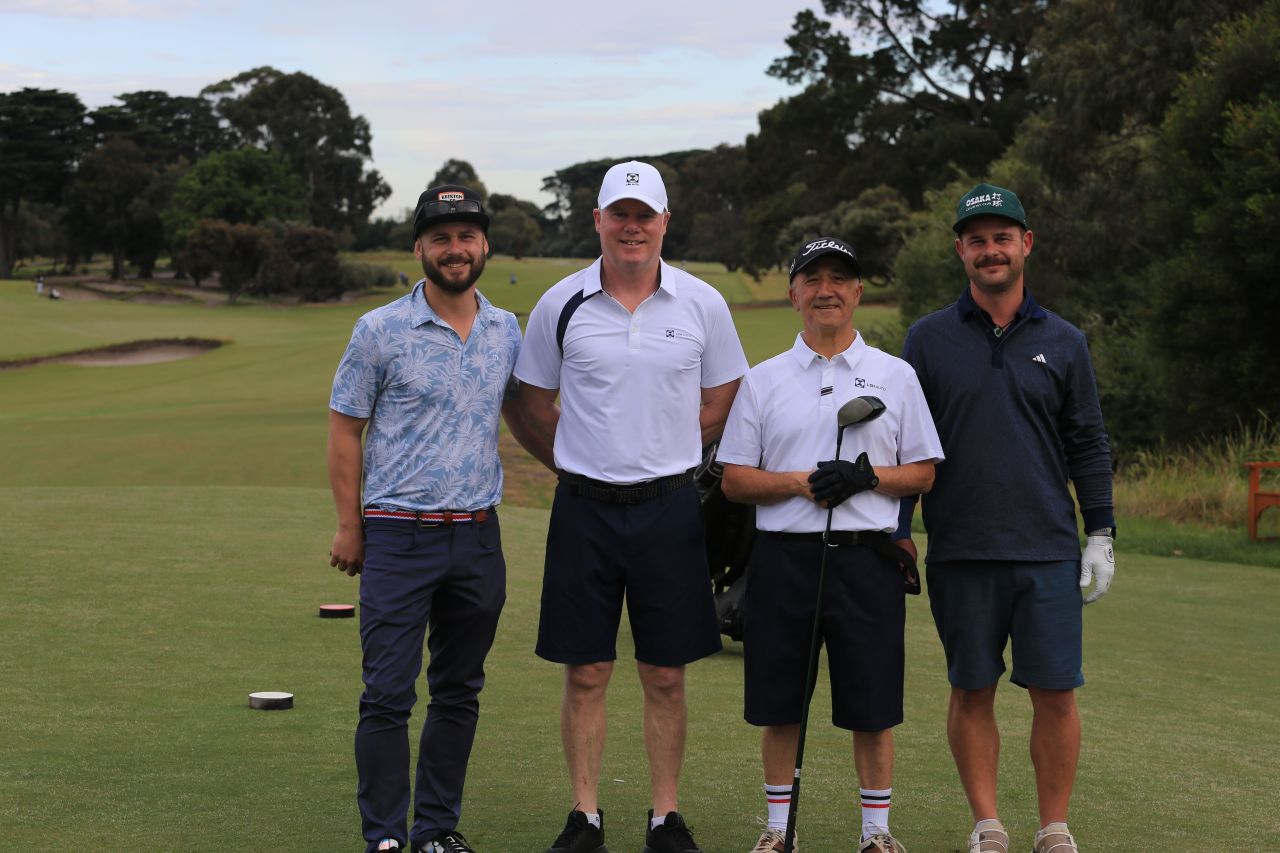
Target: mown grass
(139,618)
(163,548)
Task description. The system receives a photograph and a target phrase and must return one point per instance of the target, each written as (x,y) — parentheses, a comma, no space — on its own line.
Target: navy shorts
(863,617)
(978,606)
(653,554)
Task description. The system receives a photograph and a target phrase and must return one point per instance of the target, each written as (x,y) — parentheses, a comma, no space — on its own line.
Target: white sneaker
(882,842)
(1055,838)
(988,836)
(772,841)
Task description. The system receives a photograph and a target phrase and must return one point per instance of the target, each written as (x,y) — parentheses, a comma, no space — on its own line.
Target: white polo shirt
(630,384)
(784,419)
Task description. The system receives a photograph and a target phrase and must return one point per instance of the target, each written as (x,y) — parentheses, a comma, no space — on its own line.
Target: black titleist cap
(811,251)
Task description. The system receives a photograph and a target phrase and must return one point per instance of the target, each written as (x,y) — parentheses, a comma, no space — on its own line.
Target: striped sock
(779,799)
(875,810)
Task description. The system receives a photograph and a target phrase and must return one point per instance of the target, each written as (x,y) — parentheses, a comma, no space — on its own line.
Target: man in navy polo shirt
(427,376)
(1012,390)
(781,428)
(645,360)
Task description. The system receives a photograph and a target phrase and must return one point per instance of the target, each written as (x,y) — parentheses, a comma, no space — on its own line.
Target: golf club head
(859,410)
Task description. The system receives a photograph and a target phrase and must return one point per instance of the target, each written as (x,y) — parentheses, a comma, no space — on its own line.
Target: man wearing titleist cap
(426,376)
(781,429)
(1012,390)
(645,360)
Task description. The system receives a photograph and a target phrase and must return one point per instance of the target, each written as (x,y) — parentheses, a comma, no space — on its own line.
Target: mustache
(991,261)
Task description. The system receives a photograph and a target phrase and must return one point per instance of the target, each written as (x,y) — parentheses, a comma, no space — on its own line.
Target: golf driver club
(859,410)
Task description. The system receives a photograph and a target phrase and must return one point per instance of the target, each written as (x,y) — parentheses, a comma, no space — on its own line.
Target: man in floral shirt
(422,382)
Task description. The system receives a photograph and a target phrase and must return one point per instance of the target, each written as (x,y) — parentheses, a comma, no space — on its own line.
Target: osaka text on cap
(814,249)
(637,180)
(989,200)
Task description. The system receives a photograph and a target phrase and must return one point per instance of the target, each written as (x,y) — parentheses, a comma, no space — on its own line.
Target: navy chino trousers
(448,583)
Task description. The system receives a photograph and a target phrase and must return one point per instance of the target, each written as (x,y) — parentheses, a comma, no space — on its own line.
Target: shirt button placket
(826,402)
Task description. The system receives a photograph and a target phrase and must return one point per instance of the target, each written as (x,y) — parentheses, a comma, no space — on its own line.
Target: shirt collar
(422,313)
(666,278)
(966,307)
(805,356)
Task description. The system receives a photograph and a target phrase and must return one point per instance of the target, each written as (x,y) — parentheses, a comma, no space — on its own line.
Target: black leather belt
(635,493)
(837,537)
(877,540)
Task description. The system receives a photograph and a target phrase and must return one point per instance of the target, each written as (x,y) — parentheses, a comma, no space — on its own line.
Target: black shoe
(671,836)
(445,842)
(580,836)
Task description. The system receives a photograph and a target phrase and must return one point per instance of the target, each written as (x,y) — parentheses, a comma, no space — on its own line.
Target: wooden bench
(1259,500)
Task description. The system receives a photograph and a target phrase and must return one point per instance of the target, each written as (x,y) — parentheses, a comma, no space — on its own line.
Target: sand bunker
(117,355)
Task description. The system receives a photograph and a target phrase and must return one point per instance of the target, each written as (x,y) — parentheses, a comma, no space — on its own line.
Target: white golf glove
(1097,563)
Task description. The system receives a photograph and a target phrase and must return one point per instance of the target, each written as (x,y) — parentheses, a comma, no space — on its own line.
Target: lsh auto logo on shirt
(679,333)
(859,382)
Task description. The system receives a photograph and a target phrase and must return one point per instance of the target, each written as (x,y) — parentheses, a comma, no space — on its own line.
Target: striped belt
(432,517)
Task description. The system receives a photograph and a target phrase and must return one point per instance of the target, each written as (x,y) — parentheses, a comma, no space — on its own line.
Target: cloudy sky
(519,89)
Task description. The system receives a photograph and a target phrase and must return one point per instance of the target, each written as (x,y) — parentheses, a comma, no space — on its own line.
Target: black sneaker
(671,836)
(445,842)
(580,836)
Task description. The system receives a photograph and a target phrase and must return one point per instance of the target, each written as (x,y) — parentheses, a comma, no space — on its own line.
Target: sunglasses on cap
(444,208)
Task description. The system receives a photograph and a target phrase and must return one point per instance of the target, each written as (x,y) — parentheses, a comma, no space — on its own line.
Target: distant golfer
(780,431)
(1012,391)
(427,374)
(646,361)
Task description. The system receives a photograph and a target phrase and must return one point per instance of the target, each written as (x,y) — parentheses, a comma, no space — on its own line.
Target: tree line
(139,178)
(1141,137)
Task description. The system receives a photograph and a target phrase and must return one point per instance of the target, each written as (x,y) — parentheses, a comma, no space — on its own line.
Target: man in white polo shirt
(782,426)
(645,360)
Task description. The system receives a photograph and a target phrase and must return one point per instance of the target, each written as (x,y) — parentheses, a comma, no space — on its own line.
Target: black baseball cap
(449,203)
(814,249)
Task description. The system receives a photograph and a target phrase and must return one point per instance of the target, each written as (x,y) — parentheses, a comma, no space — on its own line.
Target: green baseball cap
(989,200)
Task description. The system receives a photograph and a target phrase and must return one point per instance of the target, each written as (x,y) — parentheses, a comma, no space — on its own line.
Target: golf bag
(730,533)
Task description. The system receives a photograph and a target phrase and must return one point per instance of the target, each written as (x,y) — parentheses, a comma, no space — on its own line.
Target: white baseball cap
(637,180)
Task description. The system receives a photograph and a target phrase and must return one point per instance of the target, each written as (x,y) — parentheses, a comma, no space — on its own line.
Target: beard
(438,277)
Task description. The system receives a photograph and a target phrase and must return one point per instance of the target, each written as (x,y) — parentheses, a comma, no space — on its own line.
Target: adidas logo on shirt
(1040,358)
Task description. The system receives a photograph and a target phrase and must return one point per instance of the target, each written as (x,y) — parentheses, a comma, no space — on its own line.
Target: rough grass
(1204,484)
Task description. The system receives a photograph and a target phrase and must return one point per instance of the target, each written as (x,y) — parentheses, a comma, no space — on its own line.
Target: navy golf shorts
(979,606)
(863,618)
(652,554)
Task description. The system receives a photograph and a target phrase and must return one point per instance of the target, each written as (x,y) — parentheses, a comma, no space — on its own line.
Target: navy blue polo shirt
(1017,412)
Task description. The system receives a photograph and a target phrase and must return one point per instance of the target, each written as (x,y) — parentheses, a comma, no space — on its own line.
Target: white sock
(875,810)
(779,799)
(593,818)
(657,821)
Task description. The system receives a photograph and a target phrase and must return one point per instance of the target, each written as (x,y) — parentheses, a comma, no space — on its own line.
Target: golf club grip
(789,838)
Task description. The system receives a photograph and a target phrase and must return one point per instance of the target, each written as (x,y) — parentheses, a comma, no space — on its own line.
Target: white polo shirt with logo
(631,383)
(784,419)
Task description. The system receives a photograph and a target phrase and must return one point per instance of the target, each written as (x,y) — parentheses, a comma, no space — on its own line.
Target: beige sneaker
(772,840)
(882,842)
(988,836)
(1055,838)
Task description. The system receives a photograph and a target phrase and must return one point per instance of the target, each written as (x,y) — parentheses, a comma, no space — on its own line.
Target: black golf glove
(836,481)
